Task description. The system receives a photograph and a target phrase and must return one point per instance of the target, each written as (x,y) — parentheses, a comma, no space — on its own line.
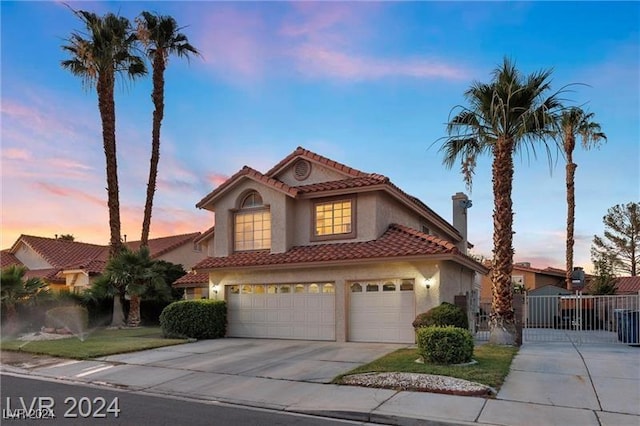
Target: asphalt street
(79,404)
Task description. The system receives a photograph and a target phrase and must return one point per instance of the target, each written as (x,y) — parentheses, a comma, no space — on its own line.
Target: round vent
(301,169)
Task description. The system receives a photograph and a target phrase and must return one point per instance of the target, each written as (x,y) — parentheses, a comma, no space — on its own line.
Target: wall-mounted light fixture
(428,282)
(214,288)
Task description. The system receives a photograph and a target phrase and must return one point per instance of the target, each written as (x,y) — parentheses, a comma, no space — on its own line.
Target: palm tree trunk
(571,214)
(133,320)
(502,319)
(106,105)
(11,323)
(158,114)
(117,319)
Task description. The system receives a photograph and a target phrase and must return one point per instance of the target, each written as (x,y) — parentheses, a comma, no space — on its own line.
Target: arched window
(252,223)
(252,199)
(356,288)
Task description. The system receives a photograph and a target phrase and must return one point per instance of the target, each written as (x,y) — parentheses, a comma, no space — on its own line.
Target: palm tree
(98,56)
(504,117)
(571,123)
(161,37)
(15,290)
(133,273)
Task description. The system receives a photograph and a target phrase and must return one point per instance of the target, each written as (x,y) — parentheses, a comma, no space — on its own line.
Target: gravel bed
(419,382)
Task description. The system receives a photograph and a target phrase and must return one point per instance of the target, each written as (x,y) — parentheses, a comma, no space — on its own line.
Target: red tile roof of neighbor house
(59,253)
(7,259)
(163,245)
(627,284)
(397,242)
(197,279)
(91,258)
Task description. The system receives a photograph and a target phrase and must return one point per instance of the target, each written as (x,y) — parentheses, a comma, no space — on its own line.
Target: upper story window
(252,224)
(334,219)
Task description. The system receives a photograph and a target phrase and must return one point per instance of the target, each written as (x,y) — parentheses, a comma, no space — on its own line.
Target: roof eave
(464,260)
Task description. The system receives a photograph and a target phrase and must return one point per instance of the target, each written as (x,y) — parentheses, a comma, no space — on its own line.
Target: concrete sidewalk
(549,384)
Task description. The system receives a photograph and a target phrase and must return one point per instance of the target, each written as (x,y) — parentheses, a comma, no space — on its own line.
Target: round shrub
(73,318)
(197,319)
(445,345)
(442,316)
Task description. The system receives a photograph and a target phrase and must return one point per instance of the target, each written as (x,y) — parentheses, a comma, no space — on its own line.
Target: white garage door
(382,311)
(285,311)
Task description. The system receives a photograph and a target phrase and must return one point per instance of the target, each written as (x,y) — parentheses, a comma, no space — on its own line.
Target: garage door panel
(301,315)
(383,316)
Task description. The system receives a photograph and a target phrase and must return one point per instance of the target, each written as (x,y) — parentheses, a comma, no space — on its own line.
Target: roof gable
(300,152)
(246,173)
(59,253)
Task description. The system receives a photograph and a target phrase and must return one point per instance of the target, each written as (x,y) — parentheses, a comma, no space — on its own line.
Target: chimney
(460,205)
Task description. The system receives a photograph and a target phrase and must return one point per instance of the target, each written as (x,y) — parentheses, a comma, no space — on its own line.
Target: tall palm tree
(98,56)
(161,38)
(509,115)
(571,123)
(16,289)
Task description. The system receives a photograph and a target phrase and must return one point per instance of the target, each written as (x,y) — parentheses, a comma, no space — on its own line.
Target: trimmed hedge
(445,345)
(442,316)
(75,318)
(197,319)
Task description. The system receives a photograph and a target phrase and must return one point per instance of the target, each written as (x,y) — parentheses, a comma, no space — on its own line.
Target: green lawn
(492,366)
(100,342)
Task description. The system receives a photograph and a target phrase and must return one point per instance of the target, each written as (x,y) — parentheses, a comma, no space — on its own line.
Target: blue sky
(368,84)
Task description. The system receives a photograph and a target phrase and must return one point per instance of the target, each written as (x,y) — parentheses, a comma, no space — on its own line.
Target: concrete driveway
(296,360)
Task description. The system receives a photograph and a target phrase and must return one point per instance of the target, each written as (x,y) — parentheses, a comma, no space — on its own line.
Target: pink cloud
(320,61)
(16,154)
(233,42)
(80,197)
(216,179)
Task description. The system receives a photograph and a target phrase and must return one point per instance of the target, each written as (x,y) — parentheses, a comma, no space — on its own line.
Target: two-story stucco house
(314,249)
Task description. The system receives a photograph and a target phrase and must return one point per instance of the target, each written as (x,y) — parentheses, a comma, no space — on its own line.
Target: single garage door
(382,311)
(284,311)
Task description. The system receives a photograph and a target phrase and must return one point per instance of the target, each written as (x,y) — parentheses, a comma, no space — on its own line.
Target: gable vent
(301,169)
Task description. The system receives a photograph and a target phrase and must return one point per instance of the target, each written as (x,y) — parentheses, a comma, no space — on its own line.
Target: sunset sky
(370,85)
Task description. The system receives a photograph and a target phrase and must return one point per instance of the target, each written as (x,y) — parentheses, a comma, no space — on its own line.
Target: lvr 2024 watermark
(44,407)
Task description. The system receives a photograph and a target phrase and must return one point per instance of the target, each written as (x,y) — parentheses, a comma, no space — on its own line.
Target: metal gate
(582,318)
(574,318)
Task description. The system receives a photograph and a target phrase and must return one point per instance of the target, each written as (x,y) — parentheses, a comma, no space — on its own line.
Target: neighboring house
(526,278)
(314,249)
(627,285)
(71,265)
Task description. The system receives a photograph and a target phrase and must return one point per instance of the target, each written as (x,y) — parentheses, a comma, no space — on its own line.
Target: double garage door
(379,311)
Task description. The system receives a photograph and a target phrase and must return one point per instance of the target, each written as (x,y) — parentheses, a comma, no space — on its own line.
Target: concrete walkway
(549,384)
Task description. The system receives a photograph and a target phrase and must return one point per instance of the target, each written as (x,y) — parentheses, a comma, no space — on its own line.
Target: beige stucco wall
(30,258)
(441,289)
(185,256)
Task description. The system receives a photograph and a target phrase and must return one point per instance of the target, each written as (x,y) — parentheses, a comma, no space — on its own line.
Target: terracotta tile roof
(205,235)
(397,242)
(163,245)
(301,152)
(358,182)
(198,279)
(7,259)
(59,253)
(627,284)
(50,274)
(250,173)
(90,266)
